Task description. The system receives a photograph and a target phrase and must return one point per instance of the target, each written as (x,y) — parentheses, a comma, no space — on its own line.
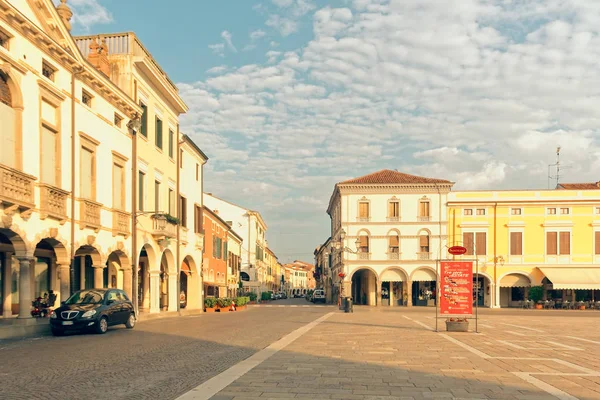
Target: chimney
(65,13)
(98,56)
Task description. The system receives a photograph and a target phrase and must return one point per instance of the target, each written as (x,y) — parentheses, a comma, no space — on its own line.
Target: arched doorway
(11,106)
(164,282)
(513,289)
(482,290)
(364,287)
(44,270)
(146,258)
(186,278)
(424,287)
(88,269)
(12,245)
(392,287)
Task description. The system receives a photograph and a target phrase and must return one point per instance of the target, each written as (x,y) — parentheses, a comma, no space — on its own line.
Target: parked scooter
(42,307)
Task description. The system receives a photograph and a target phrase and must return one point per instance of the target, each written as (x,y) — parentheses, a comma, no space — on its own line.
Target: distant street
(159,359)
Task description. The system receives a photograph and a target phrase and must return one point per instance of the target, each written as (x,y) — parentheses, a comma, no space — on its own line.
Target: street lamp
(341,248)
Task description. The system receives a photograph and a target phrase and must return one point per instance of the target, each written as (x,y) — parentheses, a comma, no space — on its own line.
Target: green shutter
(159,133)
(171,135)
(225,251)
(214,247)
(144,127)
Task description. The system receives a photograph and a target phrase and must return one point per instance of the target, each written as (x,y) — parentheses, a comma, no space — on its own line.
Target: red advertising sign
(457,250)
(456,287)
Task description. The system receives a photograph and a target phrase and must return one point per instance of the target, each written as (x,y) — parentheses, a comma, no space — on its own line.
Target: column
(379,299)
(391,294)
(7,285)
(25,286)
(53,276)
(98,276)
(65,283)
(128,281)
(145,289)
(497,296)
(81,272)
(154,291)
(409,293)
(174,292)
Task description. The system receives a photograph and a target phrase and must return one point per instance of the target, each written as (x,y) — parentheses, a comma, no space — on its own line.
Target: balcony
(363,219)
(424,218)
(121,223)
(364,256)
(163,227)
(89,214)
(393,219)
(53,203)
(424,256)
(199,244)
(393,255)
(16,188)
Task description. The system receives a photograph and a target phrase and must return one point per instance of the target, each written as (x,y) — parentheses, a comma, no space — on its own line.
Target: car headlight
(89,314)
(53,315)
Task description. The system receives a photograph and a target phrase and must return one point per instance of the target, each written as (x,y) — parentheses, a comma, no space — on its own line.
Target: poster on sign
(456,287)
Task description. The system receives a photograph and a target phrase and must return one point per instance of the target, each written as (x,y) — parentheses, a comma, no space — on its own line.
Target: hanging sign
(456,287)
(457,250)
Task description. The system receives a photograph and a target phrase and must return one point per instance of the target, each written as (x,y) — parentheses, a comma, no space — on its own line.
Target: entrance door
(478,290)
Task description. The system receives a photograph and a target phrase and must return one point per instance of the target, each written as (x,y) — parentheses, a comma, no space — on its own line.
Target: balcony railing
(89,214)
(363,219)
(163,228)
(16,187)
(121,223)
(393,219)
(393,255)
(424,256)
(364,256)
(53,202)
(424,218)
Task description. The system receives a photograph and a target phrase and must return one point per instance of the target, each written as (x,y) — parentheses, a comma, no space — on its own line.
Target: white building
(250,226)
(387,230)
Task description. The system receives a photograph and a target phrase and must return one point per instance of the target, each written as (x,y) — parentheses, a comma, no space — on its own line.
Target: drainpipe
(134,203)
(177,191)
(76,71)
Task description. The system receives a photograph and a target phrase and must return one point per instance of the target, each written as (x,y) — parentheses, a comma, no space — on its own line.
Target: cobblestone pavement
(383,353)
(159,359)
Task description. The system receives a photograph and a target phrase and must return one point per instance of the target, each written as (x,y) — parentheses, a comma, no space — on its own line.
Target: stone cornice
(417,188)
(400,237)
(397,223)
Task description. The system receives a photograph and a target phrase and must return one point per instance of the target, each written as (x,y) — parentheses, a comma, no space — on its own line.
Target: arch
(58,243)
(169,259)
(422,273)
(244,276)
(365,230)
(92,251)
(515,279)
(357,269)
(424,231)
(20,245)
(364,286)
(122,258)
(188,261)
(393,231)
(393,274)
(16,96)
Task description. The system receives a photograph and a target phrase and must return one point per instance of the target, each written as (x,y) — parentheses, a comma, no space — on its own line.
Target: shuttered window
(144,127)
(424,209)
(394,244)
(551,243)
(565,243)
(183,211)
(516,243)
(87,173)
(481,243)
(197,219)
(364,244)
(597,243)
(49,164)
(469,242)
(393,209)
(118,187)
(159,133)
(363,209)
(171,142)
(214,247)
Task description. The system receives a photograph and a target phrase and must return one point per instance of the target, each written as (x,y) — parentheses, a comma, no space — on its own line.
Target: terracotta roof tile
(579,186)
(387,176)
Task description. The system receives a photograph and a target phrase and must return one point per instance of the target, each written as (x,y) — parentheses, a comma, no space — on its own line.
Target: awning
(515,280)
(573,278)
(392,275)
(423,275)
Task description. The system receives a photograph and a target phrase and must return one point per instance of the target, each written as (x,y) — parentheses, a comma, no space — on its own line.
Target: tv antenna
(558,169)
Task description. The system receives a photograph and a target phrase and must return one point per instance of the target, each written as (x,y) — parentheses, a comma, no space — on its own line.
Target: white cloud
(257,34)
(226,35)
(217,70)
(290,12)
(218,49)
(87,13)
(477,92)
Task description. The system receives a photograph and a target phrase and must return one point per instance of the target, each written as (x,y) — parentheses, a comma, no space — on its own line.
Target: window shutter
(144,127)
(364,241)
(363,210)
(394,241)
(424,240)
(481,242)
(424,209)
(225,255)
(118,187)
(468,241)
(551,247)
(516,243)
(597,246)
(86,173)
(565,242)
(214,247)
(48,172)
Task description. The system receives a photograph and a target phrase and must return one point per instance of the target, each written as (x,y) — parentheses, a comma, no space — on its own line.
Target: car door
(113,307)
(126,307)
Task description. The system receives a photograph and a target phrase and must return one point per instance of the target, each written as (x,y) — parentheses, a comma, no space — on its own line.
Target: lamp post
(338,246)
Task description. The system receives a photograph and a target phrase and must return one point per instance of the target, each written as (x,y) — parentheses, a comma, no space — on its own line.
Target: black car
(93,309)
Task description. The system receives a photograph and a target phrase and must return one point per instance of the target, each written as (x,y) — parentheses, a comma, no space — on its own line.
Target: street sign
(457,250)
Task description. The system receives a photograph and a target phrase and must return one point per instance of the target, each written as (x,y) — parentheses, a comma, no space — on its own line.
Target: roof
(216,217)
(195,147)
(579,186)
(388,176)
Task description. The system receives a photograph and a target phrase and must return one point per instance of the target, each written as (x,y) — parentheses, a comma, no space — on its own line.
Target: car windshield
(86,297)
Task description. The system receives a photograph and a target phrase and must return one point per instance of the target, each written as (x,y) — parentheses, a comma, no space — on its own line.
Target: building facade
(216,254)
(234,262)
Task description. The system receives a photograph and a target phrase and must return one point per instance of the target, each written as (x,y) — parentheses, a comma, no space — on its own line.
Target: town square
(319,199)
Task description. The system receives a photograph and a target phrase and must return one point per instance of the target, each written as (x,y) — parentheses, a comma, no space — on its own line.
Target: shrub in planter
(210,303)
(264,296)
(241,301)
(536,293)
(457,325)
(252,296)
(224,302)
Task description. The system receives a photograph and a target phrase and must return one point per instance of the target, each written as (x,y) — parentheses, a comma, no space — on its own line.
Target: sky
(288,97)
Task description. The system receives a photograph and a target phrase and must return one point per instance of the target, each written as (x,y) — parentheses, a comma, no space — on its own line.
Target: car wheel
(130,321)
(102,325)
(57,332)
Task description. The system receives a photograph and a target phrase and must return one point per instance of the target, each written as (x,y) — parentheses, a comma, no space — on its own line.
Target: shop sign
(456,287)
(457,250)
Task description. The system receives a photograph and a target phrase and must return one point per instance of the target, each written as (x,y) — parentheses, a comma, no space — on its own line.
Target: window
(197,172)
(118,120)
(141,191)
(597,210)
(515,211)
(394,244)
(481,211)
(159,133)
(197,219)
(172,202)
(144,127)
(49,156)
(597,243)
(424,243)
(157,197)
(86,98)
(183,211)
(363,209)
(516,243)
(88,173)
(171,142)
(393,209)
(424,208)
(552,211)
(475,242)
(564,210)
(558,243)
(4,39)
(364,244)
(118,187)
(468,211)
(48,70)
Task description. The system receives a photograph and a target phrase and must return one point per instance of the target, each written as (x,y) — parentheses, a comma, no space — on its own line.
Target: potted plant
(210,304)
(252,296)
(457,325)
(240,302)
(535,294)
(223,303)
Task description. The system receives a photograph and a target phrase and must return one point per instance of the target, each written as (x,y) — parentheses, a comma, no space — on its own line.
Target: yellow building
(526,238)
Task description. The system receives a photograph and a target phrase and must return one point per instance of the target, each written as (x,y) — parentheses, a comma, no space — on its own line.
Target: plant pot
(211,309)
(539,306)
(240,308)
(456,326)
(582,307)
